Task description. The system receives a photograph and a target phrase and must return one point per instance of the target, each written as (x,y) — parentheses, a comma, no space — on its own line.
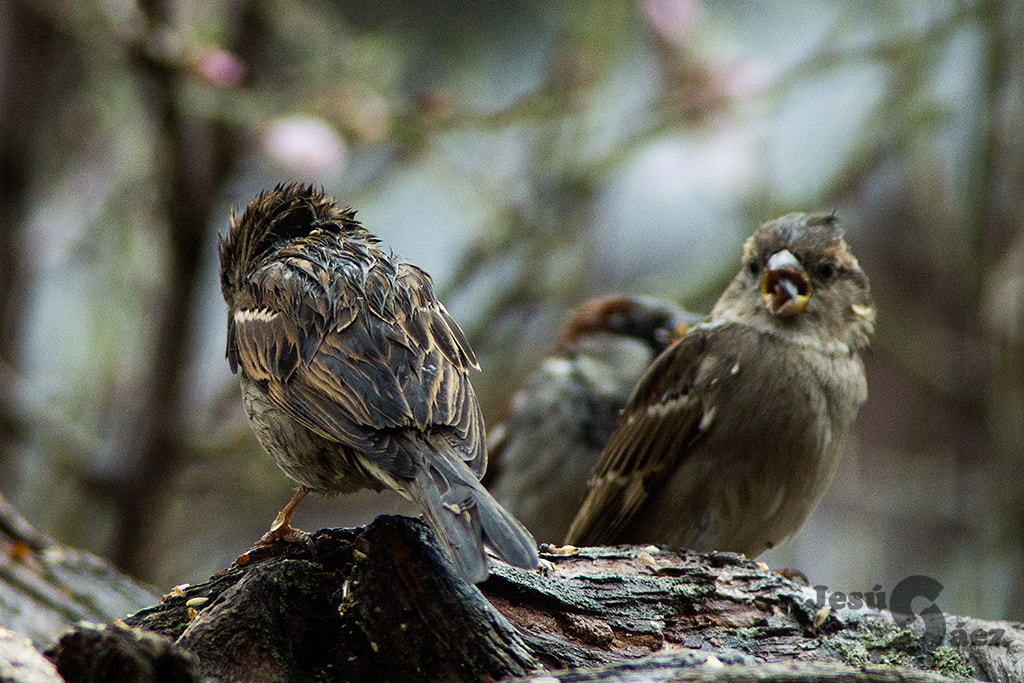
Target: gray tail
(466,518)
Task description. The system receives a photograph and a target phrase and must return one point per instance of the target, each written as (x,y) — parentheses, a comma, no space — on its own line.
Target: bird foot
(545,567)
(284,532)
(269,546)
(280,530)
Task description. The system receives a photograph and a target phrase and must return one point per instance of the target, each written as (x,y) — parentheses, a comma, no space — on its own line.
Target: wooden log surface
(382,602)
(46,588)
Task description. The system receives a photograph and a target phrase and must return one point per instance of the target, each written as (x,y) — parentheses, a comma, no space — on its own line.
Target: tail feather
(503,533)
(466,517)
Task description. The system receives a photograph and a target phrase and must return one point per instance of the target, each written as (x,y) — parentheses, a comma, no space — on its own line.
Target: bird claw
(275,542)
(285,532)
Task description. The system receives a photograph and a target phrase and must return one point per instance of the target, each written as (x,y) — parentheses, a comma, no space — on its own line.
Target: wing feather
(356,347)
(658,425)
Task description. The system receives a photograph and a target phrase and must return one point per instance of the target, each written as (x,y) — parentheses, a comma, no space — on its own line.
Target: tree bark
(383,602)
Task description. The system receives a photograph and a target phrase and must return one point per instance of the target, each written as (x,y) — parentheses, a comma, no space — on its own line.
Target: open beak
(785,286)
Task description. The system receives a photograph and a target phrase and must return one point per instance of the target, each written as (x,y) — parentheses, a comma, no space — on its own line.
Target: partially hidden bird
(734,433)
(354,375)
(559,421)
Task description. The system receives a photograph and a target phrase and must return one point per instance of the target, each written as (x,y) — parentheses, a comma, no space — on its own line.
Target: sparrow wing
(354,346)
(658,425)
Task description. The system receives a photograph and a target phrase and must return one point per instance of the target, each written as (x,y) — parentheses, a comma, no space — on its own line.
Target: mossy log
(382,602)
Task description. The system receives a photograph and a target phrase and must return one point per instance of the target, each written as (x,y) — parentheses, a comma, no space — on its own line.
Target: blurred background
(528,155)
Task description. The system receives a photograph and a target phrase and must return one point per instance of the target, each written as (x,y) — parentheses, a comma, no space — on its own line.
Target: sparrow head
(274,219)
(798,274)
(657,323)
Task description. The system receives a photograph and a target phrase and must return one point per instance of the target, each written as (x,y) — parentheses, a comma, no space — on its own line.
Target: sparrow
(544,452)
(354,376)
(733,434)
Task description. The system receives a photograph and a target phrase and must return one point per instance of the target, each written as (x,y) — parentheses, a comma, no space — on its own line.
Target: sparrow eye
(754,266)
(827,270)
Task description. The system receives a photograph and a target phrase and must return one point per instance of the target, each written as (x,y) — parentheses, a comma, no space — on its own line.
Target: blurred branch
(562,187)
(906,46)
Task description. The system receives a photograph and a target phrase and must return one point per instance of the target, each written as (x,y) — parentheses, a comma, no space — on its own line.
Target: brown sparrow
(733,434)
(542,455)
(354,376)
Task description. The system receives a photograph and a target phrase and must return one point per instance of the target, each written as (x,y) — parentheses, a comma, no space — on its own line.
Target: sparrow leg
(282,528)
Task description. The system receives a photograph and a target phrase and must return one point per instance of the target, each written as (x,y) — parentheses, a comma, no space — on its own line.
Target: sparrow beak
(672,332)
(785,286)
(677,328)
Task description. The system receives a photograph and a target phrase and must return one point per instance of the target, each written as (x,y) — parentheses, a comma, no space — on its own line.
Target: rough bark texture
(383,598)
(383,602)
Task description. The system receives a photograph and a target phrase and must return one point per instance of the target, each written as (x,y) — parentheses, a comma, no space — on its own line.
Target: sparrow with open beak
(734,433)
(544,452)
(354,376)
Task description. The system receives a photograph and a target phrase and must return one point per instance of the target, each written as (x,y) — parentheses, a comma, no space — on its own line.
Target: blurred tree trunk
(194,158)
(31,58)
